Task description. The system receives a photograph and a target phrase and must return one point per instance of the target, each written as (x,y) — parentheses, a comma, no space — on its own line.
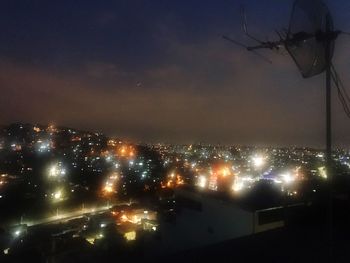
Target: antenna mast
(329,166)
(328,98)
(310,42)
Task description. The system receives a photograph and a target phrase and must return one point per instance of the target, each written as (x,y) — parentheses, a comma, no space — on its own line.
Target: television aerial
(309,40)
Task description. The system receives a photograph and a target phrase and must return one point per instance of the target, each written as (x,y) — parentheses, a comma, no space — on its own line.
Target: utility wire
(343,96)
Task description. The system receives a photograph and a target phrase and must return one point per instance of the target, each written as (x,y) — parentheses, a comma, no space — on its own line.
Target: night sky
(159,71)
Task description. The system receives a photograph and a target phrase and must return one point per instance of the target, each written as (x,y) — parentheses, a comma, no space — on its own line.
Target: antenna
(310,37)
(248,48)
(309,40)
(244,26)
(262,44)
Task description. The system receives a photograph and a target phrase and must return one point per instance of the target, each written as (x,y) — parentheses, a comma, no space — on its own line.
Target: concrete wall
(216,222)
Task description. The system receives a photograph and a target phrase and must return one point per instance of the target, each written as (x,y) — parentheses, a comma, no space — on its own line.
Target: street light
(258,161)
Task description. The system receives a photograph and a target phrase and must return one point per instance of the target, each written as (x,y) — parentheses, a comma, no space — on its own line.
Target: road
(73,214)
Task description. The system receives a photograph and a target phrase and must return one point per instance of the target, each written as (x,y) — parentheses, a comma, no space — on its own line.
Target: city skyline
(145,130)
(161,72)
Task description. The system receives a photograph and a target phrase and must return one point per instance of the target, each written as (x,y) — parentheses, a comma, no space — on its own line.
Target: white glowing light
(277,181)
(202,181)
(320,155)
(237,186)
(322,172)
(57,195)
(258,161)
(56,170)
(53,171)
(247,178)
(287,178)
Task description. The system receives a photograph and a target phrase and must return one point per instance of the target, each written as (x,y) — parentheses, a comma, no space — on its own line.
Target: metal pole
(328,107)
(329,133)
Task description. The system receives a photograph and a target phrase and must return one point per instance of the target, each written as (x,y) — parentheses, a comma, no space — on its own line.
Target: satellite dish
(310,42)
(307,37)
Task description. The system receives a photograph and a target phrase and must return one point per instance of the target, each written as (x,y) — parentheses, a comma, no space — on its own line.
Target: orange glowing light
(76,139)
(225,172)
(174,180)
(110,185)
(111,143)
(126,151)
(124,218)
(169,183)
(108,189)
(179,180)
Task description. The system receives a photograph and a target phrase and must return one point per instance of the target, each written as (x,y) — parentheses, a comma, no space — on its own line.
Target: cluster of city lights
(111,184)
(127,151)
(242,182)
(57,195)
(225,174)
(258,161)
(56,170)
(43,146)
(173,180)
